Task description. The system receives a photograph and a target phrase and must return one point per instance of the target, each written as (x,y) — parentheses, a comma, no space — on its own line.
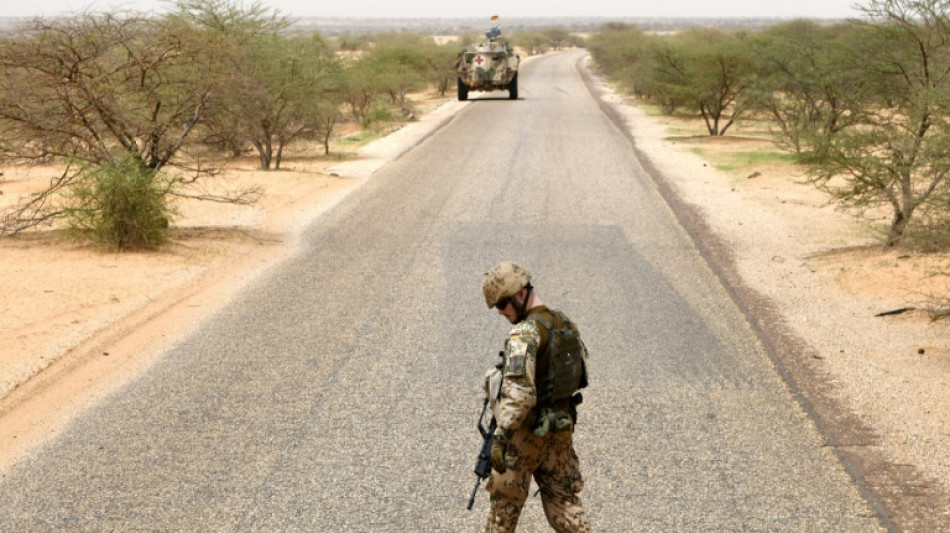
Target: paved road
(340,392)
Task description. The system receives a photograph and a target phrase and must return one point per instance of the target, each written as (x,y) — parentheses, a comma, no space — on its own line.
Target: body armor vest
(561,369)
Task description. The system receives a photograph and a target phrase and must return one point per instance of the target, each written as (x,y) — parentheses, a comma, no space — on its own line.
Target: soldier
(534,405)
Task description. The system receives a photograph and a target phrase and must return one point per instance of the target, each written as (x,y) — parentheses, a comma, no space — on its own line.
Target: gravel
(870,368)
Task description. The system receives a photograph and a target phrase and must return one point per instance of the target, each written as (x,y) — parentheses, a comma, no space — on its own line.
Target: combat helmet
(504,280)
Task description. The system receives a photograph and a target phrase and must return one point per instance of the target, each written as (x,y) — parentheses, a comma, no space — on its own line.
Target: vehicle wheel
(513,88)
(463,91)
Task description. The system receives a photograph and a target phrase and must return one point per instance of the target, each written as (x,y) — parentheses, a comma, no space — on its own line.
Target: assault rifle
(483,464)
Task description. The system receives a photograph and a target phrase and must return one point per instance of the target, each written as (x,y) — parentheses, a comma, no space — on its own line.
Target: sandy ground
(79,322)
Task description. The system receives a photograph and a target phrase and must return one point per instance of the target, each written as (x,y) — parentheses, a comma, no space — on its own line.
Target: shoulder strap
(542,363)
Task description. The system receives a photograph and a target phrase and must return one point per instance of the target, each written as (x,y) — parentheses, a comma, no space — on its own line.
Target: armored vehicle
(491,66)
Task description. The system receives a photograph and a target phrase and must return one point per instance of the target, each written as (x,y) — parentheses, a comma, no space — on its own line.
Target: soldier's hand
(498,447)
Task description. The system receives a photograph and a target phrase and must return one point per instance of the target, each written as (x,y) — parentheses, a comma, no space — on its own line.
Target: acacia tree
(280,88)
(533,42)
(896,152)
(709,70)
(92,90)
(361,89)
(803,82)
(297,92)
(625,53)
(381,78)
(235,19)
(397,66)
(440,61)
(558,37)
(238,28)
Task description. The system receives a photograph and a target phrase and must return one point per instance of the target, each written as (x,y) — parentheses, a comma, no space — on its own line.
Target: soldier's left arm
(518,390)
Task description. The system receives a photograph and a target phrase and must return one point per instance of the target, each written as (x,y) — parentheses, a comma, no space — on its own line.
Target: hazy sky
(482,8)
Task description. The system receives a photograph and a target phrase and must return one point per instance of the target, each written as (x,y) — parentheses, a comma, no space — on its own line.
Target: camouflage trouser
(552,461)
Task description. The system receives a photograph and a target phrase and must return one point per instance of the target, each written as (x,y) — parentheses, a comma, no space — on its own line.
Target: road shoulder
(877,400)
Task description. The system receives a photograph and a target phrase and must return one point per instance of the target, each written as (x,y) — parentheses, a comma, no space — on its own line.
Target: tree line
(864,104)
(134,107)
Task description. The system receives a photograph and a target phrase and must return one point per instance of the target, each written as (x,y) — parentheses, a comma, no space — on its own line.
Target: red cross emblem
(479,60)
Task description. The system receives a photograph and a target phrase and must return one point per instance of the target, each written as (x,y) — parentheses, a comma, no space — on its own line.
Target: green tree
(440,64)
(360,89)
(709,70)
(239,30)
(625,54)
(99,89)
(280,88)
(393,68)
(558,37)
(532,42)
(230,17)
(295,90)
(803,82)
(896,151)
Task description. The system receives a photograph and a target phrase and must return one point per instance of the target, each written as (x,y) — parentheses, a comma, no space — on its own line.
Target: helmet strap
(522,308)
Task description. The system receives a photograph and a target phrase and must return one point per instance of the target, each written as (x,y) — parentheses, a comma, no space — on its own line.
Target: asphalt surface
(340,392)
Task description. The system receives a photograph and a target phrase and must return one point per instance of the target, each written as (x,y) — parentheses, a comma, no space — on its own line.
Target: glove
(498,447)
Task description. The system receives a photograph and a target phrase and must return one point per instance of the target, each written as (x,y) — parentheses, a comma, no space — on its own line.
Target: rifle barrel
(471,501)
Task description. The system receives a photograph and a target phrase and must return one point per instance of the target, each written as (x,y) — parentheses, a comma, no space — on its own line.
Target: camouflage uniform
(549,459)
